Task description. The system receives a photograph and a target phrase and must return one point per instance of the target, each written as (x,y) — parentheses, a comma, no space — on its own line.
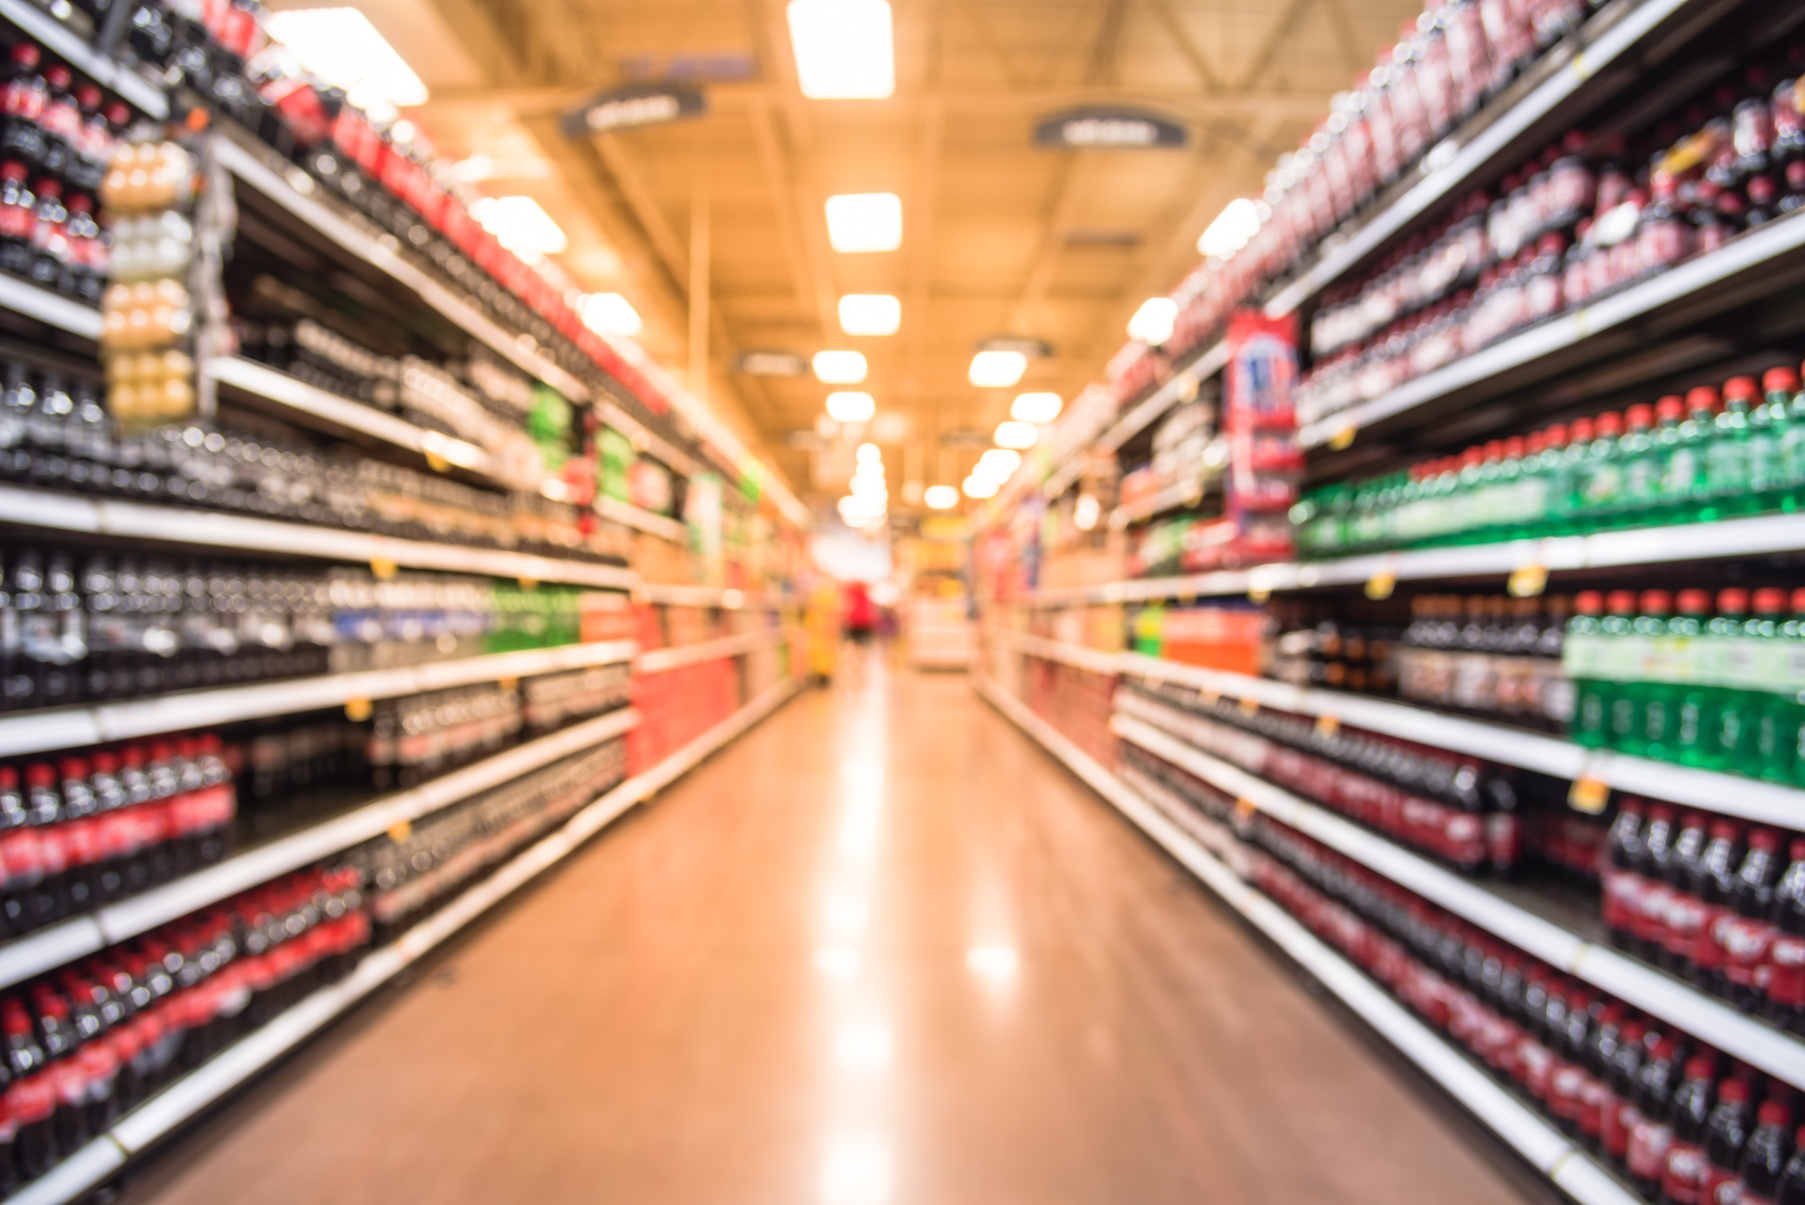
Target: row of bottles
(1708,455)
(1690,679)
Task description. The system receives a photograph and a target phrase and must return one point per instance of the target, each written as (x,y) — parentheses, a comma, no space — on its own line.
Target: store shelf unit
(43,731)
(216,1079)
(211,529)
(642,520)
(1567,1166)
(143,94)
(1161,730)
(52,309)
(725,598)
(655,661)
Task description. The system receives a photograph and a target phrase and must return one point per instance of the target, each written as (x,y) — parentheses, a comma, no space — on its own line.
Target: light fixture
(1152,323)
(863,1046)
(993,962)
(1035,407)
(519,225)
(870,452)
(940,497)
(1001,461)
(870,314)
(839,367)
(844,49)
(997,369)
(856,1171)
(1238,222)
(979,487)
(1017,435)
(1086,511)
(864,221)
(610,314)
(342,48)
(845,407)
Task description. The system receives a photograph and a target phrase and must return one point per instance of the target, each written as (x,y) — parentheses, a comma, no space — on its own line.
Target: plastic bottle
(1785,980)
(1685,492)
(1713,892)
(1622,667)
(1583,661)
(1728,461)
(1619,1113)
(1764,1157)
(1770,430)
(1651,903)
(1726,1135)
(1744,934)
(1683,914)
(1625,848)
(1639,496)
(1651,1132)
(1566,480)
(1695,695)
(1600,480)
(1791,1189)
(1730,729)
(1683,1175)
(1642,714)
(1773,741)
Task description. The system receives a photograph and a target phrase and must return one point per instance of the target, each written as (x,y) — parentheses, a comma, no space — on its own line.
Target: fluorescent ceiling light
(839,367)
(1002,461)
(844,49)
(520,225)
(997,369)
(342,48)
(846,407)
(870,314)
(610,314)
(1152,323)
(871,452)
(941,497)
(1231,230)
(979,487)
(1017,435)
(865,221)
(1035,407)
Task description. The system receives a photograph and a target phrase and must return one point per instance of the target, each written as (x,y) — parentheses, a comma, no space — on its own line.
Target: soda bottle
(1622,666)
(1567,478)
(1744,934)
(1684,915)
(1639,495)
(1771,431)
(1764,1157)
(1651,1131)
(1583,662)
(1642,713)
(1683,1175)
(1713,890)
(22,101)
(1655,894)
(1600,481)
(1729,658)
(1773,738)
(1727,461)
(1791,1190)
(1685,492)
(1785,969)
(1668,436)
(30,1099)
(1695,696)
(1625,848)
(1727,1135)
(1621,1114)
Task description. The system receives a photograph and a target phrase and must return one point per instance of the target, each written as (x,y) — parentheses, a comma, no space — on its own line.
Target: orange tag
(1249,706)
(1588,795)
(529,583)
(1528,581)
(1327,725)
(1258,594)
(1210,697)
(1244,808)
(1380,585)
(401,830)
(358,710)
(382,567)
(508,683)
(1342,440)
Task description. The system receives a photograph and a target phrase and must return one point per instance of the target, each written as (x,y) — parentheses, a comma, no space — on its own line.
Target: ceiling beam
(1270,44)
(808,270)
(1187,49)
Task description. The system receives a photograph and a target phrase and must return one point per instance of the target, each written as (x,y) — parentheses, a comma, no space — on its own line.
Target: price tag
(1528,581)
(1187,388)
(1210,697)
(1343,439)
(358,710)
(401,830)
(437,463)
(1381,584)
(1249,706)
(1259,594)
(1588,795)
(383,567)
(1244,808)
(529,583)
(508,683)
(1327,725)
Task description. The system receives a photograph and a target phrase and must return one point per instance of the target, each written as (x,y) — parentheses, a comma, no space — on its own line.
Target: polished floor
(883,950)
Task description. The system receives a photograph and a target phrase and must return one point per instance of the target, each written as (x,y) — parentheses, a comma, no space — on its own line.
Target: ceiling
(1000,238)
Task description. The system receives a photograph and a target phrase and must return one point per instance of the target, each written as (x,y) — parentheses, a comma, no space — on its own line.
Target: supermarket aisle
(881,950)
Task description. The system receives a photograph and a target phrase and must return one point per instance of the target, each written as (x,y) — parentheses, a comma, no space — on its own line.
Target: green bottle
(1583,656)
(1729,723)
(1769,425)
(1792,437)
(1544,475)
(1621,670)
(1790,678)
(1639,494)
(1148,628)
(1774,741)
(1601,484)
(1644,712)
(1686,492)
(1685,655)
(1669,436)
(1512,510)
(1566,483)
(1728,460)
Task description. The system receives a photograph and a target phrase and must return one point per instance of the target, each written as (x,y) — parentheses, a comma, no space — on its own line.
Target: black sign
(1108,128)
(1034,349)
(634,106)
(763,363)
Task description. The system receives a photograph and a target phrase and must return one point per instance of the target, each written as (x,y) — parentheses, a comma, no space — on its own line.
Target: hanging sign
(630,107)
(1108,128)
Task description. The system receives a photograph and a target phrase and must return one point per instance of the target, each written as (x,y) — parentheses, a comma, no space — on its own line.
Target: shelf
(1159,730)
(1453,163)
(642,520)
(80,936)
(186,1098)
(296,192)
(1570,1168)
(1559,343)
(69,46)
(1185,493)
(728,599)
(346,414)
(213,529)
(33,732)
(52,309)
(644,439)
(658,661)
(1097,661)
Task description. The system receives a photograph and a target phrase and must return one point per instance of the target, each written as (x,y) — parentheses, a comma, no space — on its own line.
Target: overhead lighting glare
(941,497)
(839,367)
(870,314)
(342,48)
(1001,461)
(997,369)
(871,452)
(864,221)
(844,407)
(844,49)
(1017,435)
(520,225)
(979,487)
(1035,407)
(1152,323)
(1238,222)
(610,314)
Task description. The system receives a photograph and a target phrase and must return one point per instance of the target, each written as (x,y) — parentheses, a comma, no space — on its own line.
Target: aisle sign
(1108,127)
(631,107)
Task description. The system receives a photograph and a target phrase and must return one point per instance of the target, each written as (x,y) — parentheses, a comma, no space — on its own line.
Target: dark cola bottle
(1785,1004)
(1683,1175)
(1685,912)
(1746,933)
(30,1098)
(1765,1155)
(1714,888)
(1651,1129)
(1625,848)
(1726,1136)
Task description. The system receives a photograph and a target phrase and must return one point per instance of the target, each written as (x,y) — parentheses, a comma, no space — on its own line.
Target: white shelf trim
(642,520)
(1574,1170)
(1159,730)
(657,661)
(52,309)
(728,598)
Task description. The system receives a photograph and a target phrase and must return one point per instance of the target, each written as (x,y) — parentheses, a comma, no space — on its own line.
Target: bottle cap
(25,54)
(1741,389)
(58,76)
(1620,602)
(1494,450)
(1609,423)
(1556,436)
(88,97)
(1657,602)
(1632,806)
(1796,849)
(12,169)
(1734,601)
(1670,409)
(1581,431)
(1725,829)
(1639,417)
(74,769)
(1770,600)
(1735,1091)
(1699,1066)
(1798,601)
(1704,397)
(40,774)
(1764,838)
(1589,602)
(9,779)
(49,187)
(1516,447)
(1695,602)
(1780,380)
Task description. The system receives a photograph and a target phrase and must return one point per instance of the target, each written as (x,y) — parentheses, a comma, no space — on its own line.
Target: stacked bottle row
(1489,655)
(57,139)
(1577,223)
(1456,809)
(415,869)
(1705,456)
(1677,1118)
(97,628)
(1690,679)
(98,1038)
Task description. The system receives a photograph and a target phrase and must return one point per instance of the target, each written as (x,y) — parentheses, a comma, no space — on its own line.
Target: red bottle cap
(12,169)
(1534,444)
(1770,600)
(1695,602)
(1609,423)
(117,114)
(1699,1066)
(1472,457)
(40,774)
(1741,389)
(1657,602)
(1556,436)
(74,769)
(9,779)
(58,76)
(1639,417)
(1494,451)
(1764,838)
(1671,409)
(48,187)
(88,97)
(1702,398)
(1515,447)
(1798,601)
(1734,601)
(1580,432)
(1620,602)
(1780,380)
(106,763)
(1632,806)
(1589,602)
(24,54)
(1796,850)
(1725,829)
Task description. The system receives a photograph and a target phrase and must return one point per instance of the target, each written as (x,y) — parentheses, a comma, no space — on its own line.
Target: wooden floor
(881,950)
